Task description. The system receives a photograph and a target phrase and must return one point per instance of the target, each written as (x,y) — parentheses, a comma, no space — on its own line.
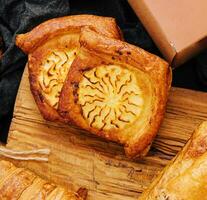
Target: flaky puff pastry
(21,184)
(117,91)
(52,47)
(185,178)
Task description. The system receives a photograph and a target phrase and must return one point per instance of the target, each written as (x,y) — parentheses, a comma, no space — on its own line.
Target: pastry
(185,177)
(52,47)
(21,184)
(117,91)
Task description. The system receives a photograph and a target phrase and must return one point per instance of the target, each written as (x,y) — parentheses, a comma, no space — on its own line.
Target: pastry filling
(110,97)
(53,74)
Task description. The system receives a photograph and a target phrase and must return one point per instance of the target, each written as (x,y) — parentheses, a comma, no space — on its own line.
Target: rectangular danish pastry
(117,91)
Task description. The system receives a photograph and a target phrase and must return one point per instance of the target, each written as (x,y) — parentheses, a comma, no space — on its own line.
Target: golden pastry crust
(52,47)
(21,184)
(28,42)
(117,91)
(185,177)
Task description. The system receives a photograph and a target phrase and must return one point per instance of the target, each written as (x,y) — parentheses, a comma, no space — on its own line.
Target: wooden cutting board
(80,159)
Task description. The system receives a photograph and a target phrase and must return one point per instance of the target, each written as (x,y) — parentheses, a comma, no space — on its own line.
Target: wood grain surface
(80,159)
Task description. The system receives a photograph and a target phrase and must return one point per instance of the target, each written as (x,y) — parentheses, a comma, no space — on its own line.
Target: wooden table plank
(80,159)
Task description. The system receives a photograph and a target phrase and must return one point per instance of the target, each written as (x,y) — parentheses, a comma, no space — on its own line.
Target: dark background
(19,16)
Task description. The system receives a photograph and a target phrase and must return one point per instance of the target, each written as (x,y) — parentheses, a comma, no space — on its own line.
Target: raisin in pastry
(117,91)
(52,46)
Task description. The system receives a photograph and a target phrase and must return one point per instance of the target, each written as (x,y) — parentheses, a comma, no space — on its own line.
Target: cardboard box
(178,27)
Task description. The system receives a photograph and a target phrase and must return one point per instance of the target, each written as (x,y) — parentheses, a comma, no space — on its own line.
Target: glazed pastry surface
(21,184)
(185,177)
(53,72)
(52,46)
(117,91)
(115,97)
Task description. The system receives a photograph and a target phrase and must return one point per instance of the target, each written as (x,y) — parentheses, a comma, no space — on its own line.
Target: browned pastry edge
(82,193)
(197,144)
(112,50)
(29,43)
